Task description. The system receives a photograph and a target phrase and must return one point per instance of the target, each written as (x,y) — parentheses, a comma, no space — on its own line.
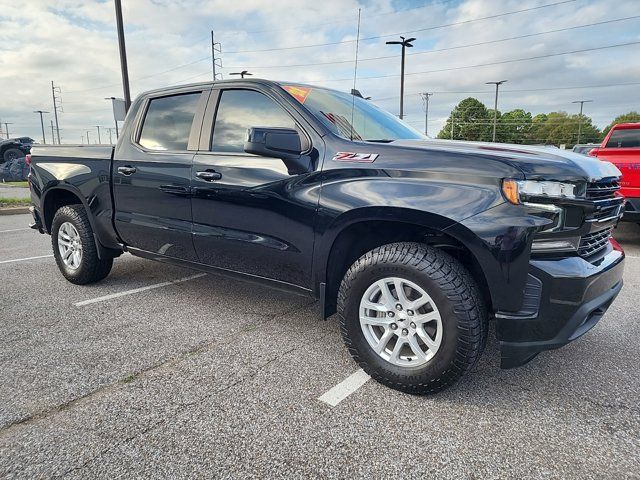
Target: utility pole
(216,62)
(405,43)
(99,139)
(53,137)
(425,99)
(6,128)
(55,90)
(242,74)
(44,140)
(495,106)
(123,56)
(581,102)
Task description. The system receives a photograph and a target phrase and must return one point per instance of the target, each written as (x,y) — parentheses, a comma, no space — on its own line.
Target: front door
(250,214)
(152,178)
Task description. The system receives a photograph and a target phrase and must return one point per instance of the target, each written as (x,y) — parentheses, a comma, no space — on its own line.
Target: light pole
(44,140)
(123,56)
(99,139)
(110,137)
(495,106)
(425,98)
(405,43)
(88,142)
(242,74)
(581,102)
(6,128)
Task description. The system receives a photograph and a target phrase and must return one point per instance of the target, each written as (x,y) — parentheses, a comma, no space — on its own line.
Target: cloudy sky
(551,51)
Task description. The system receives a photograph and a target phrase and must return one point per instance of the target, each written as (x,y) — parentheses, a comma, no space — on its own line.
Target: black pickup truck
(415,243)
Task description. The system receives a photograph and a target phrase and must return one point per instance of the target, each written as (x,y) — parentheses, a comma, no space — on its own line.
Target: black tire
(456,295)
(92,269)
(12,154)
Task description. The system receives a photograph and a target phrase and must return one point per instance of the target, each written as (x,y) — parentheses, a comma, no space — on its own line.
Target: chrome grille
(602,189)
(594,242)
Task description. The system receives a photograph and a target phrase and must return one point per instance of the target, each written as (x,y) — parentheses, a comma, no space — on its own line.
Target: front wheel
(412,317)
(74,247)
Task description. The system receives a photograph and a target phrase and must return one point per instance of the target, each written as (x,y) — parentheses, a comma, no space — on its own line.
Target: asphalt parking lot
(209,377)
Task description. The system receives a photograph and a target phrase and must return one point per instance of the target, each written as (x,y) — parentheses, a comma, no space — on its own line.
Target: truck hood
(535,162)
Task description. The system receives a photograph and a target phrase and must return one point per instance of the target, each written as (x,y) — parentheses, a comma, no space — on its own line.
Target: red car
(622,148)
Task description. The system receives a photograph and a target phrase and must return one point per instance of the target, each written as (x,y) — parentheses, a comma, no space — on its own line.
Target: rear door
(152,175)
(250,214)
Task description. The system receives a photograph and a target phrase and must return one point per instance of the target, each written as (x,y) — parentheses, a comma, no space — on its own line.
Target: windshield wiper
(379,140)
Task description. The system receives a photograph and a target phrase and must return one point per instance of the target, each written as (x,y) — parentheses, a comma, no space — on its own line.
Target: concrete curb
(13,210)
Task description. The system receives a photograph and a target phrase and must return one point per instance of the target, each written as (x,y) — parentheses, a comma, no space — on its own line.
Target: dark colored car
(15,148)
(415,243)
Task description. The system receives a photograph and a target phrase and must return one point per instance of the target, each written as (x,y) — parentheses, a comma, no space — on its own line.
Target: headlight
(517,191)
(559,245)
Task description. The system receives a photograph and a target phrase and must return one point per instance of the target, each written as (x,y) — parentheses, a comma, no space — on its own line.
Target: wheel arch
(359,231)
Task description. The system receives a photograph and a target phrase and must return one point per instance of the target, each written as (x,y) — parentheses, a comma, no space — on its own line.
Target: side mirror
(276,142)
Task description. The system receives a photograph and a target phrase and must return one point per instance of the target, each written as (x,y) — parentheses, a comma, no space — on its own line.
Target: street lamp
(242,74)
(495,106)
(405,42)
(581,102)
(44,140)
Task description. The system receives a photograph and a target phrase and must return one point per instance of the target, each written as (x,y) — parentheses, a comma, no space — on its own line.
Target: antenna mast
(355,74)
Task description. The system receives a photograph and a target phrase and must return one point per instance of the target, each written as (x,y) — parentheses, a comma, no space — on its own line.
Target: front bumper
(564,299)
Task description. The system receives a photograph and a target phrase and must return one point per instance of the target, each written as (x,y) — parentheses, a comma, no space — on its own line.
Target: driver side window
(238,110)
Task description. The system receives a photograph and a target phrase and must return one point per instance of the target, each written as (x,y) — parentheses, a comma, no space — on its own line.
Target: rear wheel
(74,247)
(412,317)
(11,154)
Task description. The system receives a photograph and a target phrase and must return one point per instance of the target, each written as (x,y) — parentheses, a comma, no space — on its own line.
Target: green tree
(624,118)
(557,128)
(514,126)
(470,121)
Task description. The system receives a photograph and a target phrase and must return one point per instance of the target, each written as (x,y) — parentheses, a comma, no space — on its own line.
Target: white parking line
(137,290)
(345,388)
(15,230)
(25,259)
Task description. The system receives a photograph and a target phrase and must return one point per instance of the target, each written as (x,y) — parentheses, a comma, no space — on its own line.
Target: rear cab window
(624,138)
(167,122)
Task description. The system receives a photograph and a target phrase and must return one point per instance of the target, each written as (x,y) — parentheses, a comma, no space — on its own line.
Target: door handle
(209,175)
(127,170)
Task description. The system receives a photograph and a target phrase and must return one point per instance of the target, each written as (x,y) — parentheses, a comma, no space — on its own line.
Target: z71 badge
(355,157)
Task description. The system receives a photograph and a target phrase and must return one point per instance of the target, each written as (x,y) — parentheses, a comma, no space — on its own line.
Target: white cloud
(74,43)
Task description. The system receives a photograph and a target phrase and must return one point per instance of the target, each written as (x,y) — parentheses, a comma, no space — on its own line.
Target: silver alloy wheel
(69,245)
(401,322)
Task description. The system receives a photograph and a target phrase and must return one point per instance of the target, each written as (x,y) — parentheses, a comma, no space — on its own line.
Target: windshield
(365,122)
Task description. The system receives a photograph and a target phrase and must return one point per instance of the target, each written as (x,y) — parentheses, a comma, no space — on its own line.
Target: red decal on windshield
(299,93)
(355,157)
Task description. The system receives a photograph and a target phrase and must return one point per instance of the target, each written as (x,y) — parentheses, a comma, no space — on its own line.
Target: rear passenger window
(240,109)
(624,138)
(167,123)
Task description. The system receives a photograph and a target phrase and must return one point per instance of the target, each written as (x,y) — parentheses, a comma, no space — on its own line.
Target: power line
(208,57)
(456,47)
(501,62)
(341,19)
(434,27)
